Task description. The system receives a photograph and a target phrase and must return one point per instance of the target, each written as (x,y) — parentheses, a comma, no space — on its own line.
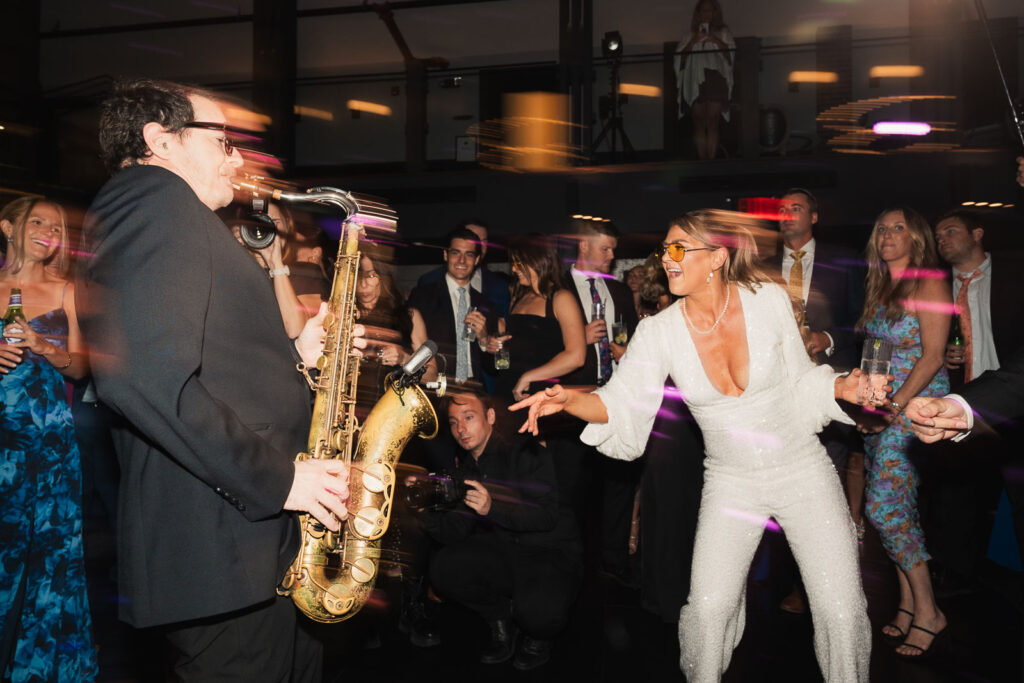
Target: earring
(707,280)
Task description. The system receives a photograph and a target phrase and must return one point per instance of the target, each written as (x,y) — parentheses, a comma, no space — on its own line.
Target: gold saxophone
(333,574)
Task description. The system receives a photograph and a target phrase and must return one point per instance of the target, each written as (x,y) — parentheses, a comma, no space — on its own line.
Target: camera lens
(258,232)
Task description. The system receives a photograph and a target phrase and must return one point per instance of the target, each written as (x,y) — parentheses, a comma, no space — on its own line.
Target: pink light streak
(757,520)
(933,306)
(901,128)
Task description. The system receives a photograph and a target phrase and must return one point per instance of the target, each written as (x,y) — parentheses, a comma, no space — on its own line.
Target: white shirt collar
(985,267)
(808,250)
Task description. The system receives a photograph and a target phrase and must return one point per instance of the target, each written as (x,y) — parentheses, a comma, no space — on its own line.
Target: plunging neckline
(37,317)
(746,333)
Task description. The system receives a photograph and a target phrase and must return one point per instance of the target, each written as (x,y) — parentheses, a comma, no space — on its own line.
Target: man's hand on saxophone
(310,342)
(320,487)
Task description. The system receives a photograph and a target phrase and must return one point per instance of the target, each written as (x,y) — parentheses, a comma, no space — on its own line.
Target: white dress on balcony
(763,460)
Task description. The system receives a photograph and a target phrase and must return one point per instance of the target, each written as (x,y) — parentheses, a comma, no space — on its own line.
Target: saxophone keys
(363,570)
(369,523)
(377,477)
(337,600)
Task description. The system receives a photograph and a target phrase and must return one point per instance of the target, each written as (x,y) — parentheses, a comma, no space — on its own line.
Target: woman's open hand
(548,402)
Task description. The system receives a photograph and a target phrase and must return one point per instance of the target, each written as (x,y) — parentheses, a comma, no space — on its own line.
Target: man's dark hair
(459,397)
(970,219)
(592,228)
(133,104)
(812,201)
(462,234)
(473,221)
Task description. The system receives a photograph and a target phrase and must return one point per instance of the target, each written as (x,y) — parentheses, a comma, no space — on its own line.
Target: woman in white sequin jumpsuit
(759,401)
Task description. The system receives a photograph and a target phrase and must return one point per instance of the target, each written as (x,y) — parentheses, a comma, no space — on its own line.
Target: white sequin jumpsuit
(763,460)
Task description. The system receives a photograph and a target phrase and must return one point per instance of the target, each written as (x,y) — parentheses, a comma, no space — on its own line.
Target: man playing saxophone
(190,350)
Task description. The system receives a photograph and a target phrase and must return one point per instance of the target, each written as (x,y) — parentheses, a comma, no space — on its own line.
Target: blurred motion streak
(813,77)
(639,90)
(322,114)
(901,128)
(896,71)
(368,107)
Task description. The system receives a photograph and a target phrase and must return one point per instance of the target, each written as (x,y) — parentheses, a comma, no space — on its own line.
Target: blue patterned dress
(42,568)
(890,499)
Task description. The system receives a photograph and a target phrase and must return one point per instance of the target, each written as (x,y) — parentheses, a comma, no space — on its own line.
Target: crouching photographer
(509,551)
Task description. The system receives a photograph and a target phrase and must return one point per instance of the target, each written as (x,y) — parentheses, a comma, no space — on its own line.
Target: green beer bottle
(13,313)
(956,338)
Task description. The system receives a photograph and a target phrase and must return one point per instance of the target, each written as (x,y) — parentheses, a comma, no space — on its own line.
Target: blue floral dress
(43,597)
(890,497)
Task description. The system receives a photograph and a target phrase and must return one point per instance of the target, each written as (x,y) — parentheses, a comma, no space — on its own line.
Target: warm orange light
(896,71)
(369,107)
(245,118)
(313,113)
(813,77)
(967,204)
(639,90)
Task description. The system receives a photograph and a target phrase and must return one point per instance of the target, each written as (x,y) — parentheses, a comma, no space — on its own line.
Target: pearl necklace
(728,293)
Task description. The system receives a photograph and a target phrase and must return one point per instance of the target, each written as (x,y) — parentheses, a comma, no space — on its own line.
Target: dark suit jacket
(495,286)
(435,305)
(998,395)
(836,299)
(622,297)
(1007,304)
(188,346)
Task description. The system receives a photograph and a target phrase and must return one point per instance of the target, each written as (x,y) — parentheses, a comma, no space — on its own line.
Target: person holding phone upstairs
(704,75)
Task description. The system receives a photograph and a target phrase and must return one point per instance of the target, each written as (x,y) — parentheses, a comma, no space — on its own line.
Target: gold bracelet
(66,365)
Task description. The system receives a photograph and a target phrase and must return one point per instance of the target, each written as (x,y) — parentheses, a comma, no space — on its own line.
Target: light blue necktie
(462,357)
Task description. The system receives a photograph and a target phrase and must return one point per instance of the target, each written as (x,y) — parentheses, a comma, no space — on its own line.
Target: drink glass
(501,358)
(468,334)
(875,361)
(619,334)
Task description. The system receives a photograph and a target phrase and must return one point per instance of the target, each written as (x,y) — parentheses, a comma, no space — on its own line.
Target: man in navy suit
(963,492)
(829,282)
(494,286)
(447,306)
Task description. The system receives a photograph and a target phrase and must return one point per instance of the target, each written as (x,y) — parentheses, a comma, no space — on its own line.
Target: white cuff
(831,345)
(283,270)
(967,411)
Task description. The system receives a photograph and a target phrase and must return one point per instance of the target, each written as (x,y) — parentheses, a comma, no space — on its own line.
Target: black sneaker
(532,653)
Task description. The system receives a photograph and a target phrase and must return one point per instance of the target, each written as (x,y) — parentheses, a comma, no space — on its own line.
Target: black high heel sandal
(923,652)
(898,640)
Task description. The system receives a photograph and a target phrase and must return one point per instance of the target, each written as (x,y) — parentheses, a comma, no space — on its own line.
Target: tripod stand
(611,104)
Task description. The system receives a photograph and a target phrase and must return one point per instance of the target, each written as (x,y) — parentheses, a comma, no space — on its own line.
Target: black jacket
(187,345)
(435,305)
(622,297)
(520,476)
(836,299)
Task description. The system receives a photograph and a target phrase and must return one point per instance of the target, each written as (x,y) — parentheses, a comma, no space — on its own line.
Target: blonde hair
(733,232)
(880,289)
(17,213)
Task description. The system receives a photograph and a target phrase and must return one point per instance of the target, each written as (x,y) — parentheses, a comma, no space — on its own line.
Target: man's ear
(490,416)
(158,139)
(977,234)
(814,218)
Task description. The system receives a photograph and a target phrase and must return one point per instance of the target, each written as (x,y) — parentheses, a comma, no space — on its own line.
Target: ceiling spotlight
(981,203)
(611,45)
(966,203)
(995,204)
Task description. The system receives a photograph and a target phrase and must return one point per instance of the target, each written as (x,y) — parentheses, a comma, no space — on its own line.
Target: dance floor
(611,638)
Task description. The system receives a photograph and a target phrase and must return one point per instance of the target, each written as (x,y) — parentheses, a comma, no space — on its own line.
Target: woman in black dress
(544,333)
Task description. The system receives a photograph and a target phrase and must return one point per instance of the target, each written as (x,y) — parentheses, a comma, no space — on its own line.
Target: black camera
(435,491)
(257,229)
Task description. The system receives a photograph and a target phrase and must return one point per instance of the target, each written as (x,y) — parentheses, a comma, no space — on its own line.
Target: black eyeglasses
(676,251)
(229,147)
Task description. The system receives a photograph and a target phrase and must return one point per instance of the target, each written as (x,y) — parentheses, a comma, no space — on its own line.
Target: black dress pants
(265,642)
(497,579)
